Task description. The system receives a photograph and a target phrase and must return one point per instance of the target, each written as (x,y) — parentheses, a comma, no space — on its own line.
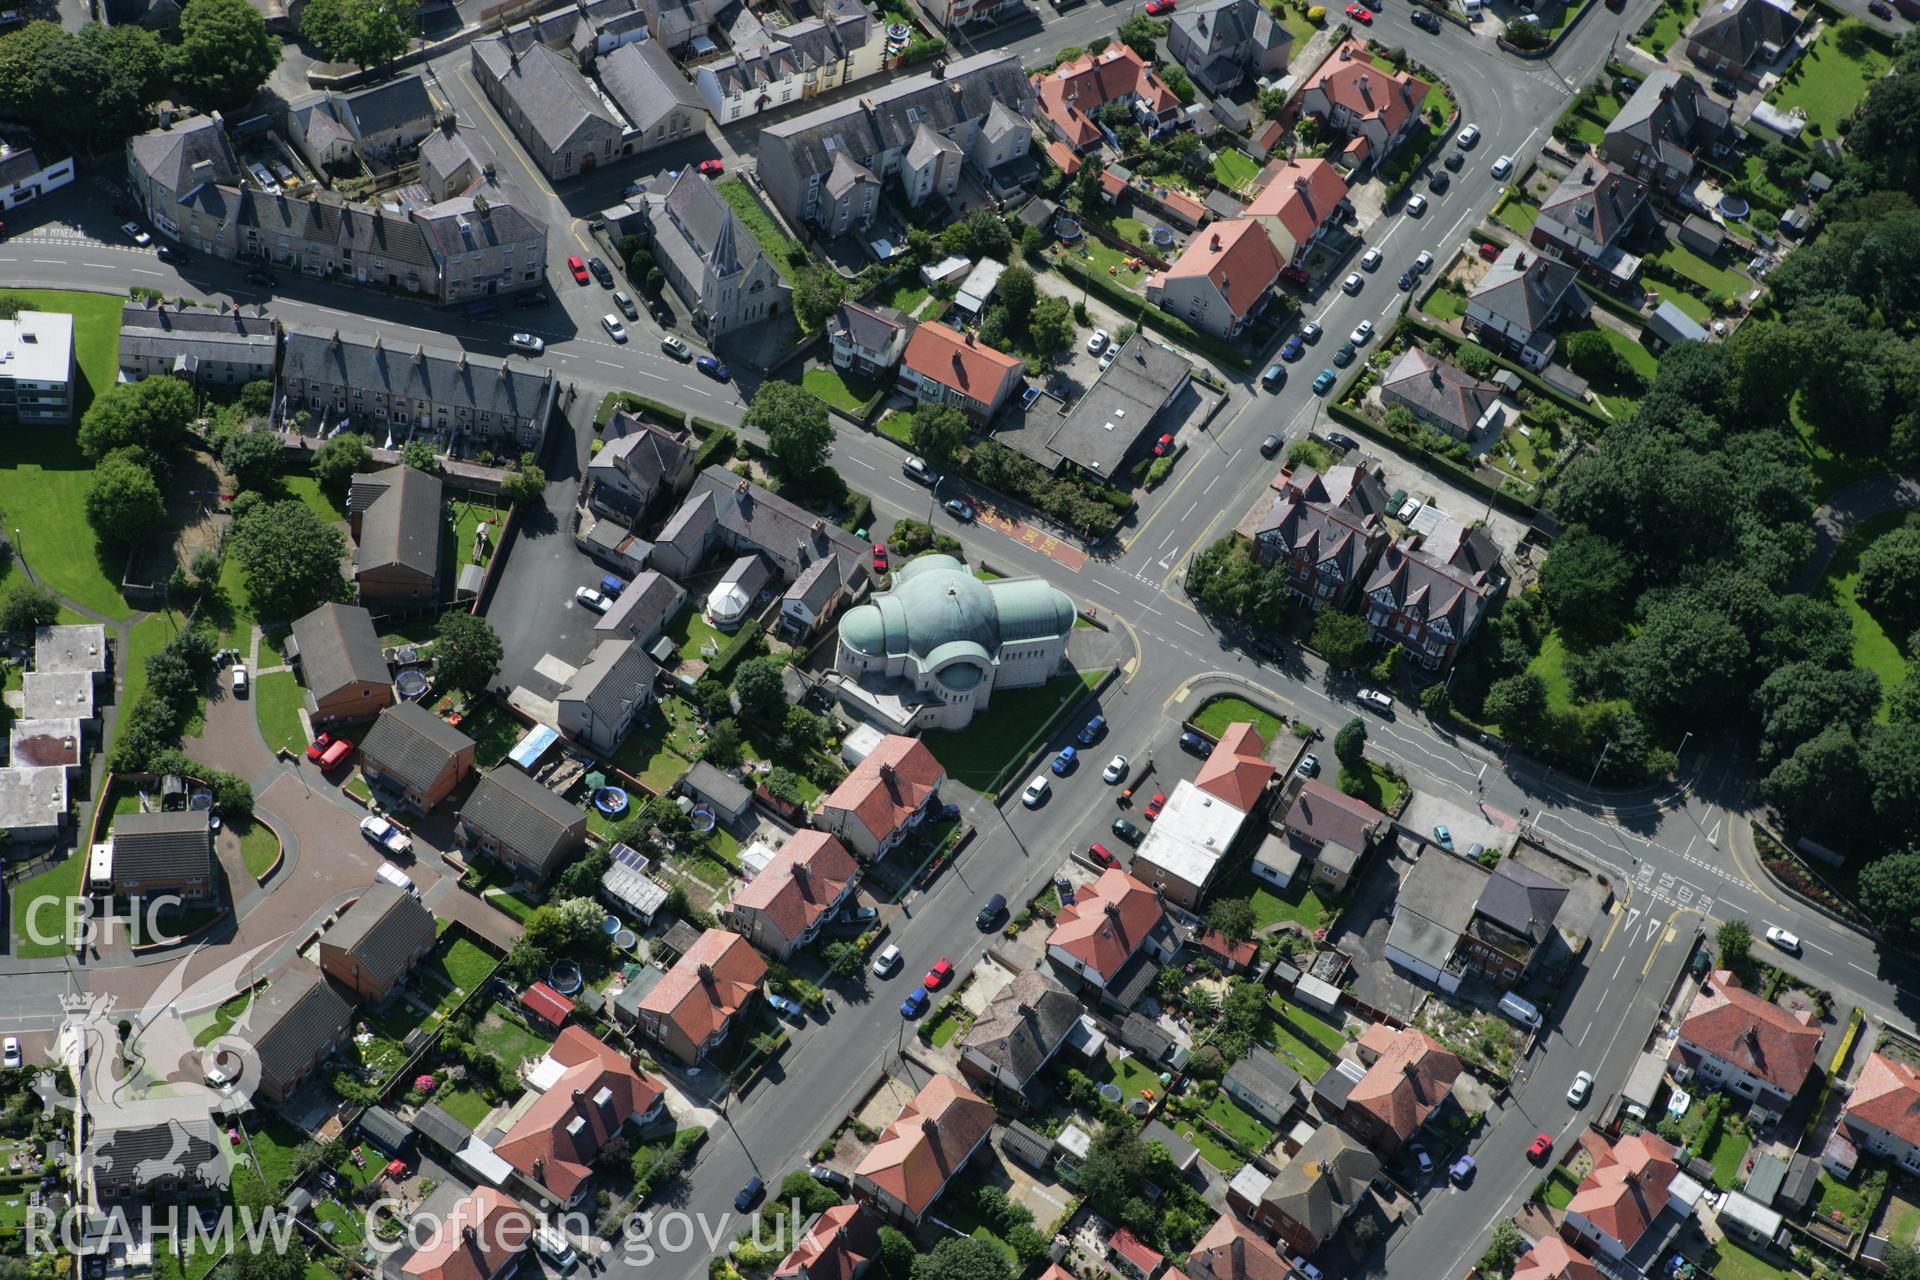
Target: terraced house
(770,67)
(292,1027)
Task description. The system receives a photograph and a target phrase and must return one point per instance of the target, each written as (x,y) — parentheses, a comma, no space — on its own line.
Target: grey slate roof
(1262,1075)
(1670,324)
(644,607)
(759,518)
(293,1020)
(762,56)
(549,90)
(1317,531)
(161,845)
(152,1140)
(1423,585)
(518,811)
(617,674)
(708,229)
(1324,1181)
(327,219)
(645,83)
(1670,108)
(405,525)
(640,448)
(871,327)
(1742,30)
(710,783)
(433,374)
(386,1130)
(847,174)
(398,104)
(434,1124)
(174,156)
(1023,1024)
(162,333)
(927,145)
(1521,288)
(1522,899)
(339,647)
(383,930)
(1438,388)
(1591,206)
(412,743)
(816,584)
(490,215)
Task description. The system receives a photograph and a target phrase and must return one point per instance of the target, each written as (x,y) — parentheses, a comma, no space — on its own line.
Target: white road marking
(1870,973)
(656,377)
(50,262)
(610,364)
(862,463)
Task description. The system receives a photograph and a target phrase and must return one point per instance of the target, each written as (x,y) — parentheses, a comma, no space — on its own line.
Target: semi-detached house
(512,818)
(1429,596)
(1303,201)
(1883,1111)
(1522,296)
(597,1093)
(782,908)
(414,758)
(1735,1040)
(1106,926)
(1323,1183)
(1222,280)
(1223,42)
(1633,1185)
(1409,1078)
(938,1133)
(1372,108)
(1326,529)
(885,798)
(376,942)
(1072,95)
(691,1011)
(945,366)
(1664,128)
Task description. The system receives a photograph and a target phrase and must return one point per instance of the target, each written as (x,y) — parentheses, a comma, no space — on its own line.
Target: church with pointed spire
(711,260)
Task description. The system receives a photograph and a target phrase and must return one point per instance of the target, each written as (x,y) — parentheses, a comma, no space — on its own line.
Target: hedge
(1153,317)
(715,448)
(630,401)
(1460,475)
(859,512)
(734,649)
(706,426)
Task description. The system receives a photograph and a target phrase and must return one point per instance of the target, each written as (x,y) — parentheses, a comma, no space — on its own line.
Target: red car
(578,268)
(938,975)
(1102,855)
(1489,251)
(879,557)
(1158,7)
(1155,805)
(336,755)
(318,747)
(1162,445)
(1359,13)
(712,168)
(1538,1151)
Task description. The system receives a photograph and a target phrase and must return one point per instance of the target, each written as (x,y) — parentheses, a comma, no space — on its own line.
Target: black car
(1407,280)
(1271,445)
(1426,20)
(1454,160)
(749,1194)
(990,914)
(1342,441)
(262,277)
(1725,88)
(176,256)
(601,272)
(1439,182)
(1878,9)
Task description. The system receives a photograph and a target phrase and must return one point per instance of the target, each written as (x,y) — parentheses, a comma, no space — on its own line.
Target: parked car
(178,257)
(860,916)
(1344,356)
(713,368)
(749,1194)
(1116,770)
(1879,9)
(918,471)
(615,330)
(990,914)
(1157,7)
(1374,700)
(938,975)
(1064,762)
(588,598)
(135,234)
(1293,349)
(676,346)
(1308,767)
(1407,280)
(880,561)
(1036,793)
(1310,332)
(1271,445)
(1454,161)
(601,272)
(528,343)
(1324,383)
(1439,182)
(712,168)
(1542,1144)
(1092,731)
(578,267)
(1725,88)
(886,962)
(781,1005)
(1444,835)
(1353,283)
(10,1056)
(1462,1170)
(1371,260)
(336,755)
(239,680)
(1362,333)
(1423,263)
(1154,806)
(1097,342)
(1489,251)
(1582,1086)
(318,747)
(1420,1157)
(1503,166)
(1469,138)
(915,1004)
(266,278)
(1195,743)
(1108,356)
(386,836)
(1101,855)
(1425,20)
(959,509)
(1360,13)
(1341,440)
(1163,445)
(1128,831)
(624,300)
(1780,938)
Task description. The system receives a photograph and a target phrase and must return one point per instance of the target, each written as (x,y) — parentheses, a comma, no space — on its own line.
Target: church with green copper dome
(931,651)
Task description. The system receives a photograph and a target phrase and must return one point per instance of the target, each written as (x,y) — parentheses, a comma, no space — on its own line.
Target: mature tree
(363,32)
(1017,292)
(419,454)
(1113,1170)
(1890,889)
(256,398)
(1734,941)
(1474,360)
(251,457)
(1889,583)
(106,80)
(466,652)
(799,433)
(1584,581)
(335,462)
(937,432)
(1822,783)
(24,54)
(1181,83)
(1518,704)
(1689,658)
(1141,34)
(26,605)
(761,688)
(224,54)
(1763,365)
(1886,133)
(962,1258)
(1340,638)
(981,234)
(1891,754)
(1350,744)
(897,1254)
(1233,919)
(817,294)
(1504,1247)
(1901,1261)
(153,413)
(1797,701)
(1223,575)
(123,499)
(1051,328)
(1664,506)
(291,559)
(581,877)
(1591,355)
(528,484)
(844,959)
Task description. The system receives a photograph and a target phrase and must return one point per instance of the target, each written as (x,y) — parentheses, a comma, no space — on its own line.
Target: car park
(1116,770)
(624,300)
(1582,1086)
(1324,383)
(1341,440)
(1293,348)
(886,962)
(1344,356)
(938,975)
(880,562)
(1102,855)
(959,509)
(1503,166)
(713,368)
(785,1007)
(384,835)
(1469,138)
(676,346)
(135,234)
(239,681)
(1273,379)
(1353,283)
(1271,445)
(1371,259)
(915,1004)
(578,267)
(1454,161)
(1780,938)
(1309,766)
(1542,1144)
(1154,806)
(712,168)
(990,914)
(615,330)
(1416,206)
(1128,831)
(1444,836)
(1097,342)
(1092,731)
(918,471)
(1035,793)
(1362,333)
(1310,332)
(528,343)
(1064,762)
(1374,700)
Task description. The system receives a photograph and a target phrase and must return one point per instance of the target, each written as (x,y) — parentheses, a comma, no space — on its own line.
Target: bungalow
(937,1134)
(521,823)
(1735,1040)
(414,757)
(944,366)
(1222,280)
(690,1012)
(376,942)
(782,908)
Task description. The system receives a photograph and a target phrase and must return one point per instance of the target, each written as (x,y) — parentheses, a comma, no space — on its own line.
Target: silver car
(528,343)
(1581,1087)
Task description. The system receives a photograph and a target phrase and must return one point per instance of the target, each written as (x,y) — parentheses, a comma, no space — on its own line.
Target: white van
(554,1248)
(398,878)
(1521,1011)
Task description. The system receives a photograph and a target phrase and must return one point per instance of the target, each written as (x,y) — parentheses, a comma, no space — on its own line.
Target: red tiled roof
(1145,1259)
(1232,1250)
(1112,183)
(1237,256)
(796,887)
(698,1003)
(889,786)
(1104,926)
(476,1240)
(1627,1187)
(1410,1079)
(957,360)
(563,1131)
(1073,91)
(1063,157)
(1887,1096)
(1301,198)
(928,1144)
(1751,1032)
(835,1247)
(1236,769)
(1367,91)
(1239,953)
(1551,1259)
(1182,203)
(548,1003)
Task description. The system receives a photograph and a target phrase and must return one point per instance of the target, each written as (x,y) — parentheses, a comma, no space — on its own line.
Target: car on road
(1374,700)
(915,1004)
(880,562)
(1439,182)
(1271,445)
(1417,207)
(1097,342)
(588,598)
(1324,383)
(1780,938)
(1360,13)
(918,471)
(1154,806)
(1426,20)
(1344,356)
(1371,260)
(10,1052)
(713,368)
(615,330)
(624,300)
(1310,333)
(1102,855)
(1362,333)
(578,267)
(1407,280)
(1423,263)
(960,509)
(781,1005)
(1342,440)
(1468,138)
(1454,161)
(676,346)
(1879,9)
(1035,793)
(178,257)
(1092,731)
(1582,1086)
(1542,1144)
(886,962)
(712,168)
(1064,762)
(1162,446)
(135,234)
(1309,766)
(938,975)
(528,343)
(1462,1170)
(1353,283)
(1116,770)
(990,914)
(1420,1157)
(1503,166)
(749,1194)
(265,278)
(1293,348)
(385,835)
(1128,831)
(601,272)
(1444,835)
(239,680)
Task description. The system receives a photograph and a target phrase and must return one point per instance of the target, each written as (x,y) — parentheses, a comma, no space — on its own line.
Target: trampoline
(406,655)
(564,977)
(410,685)
(625,939)
(1162,237)
(1067,229)
(1733,206)
(611,801)
(1111,1092)
(200,801)
(703,820)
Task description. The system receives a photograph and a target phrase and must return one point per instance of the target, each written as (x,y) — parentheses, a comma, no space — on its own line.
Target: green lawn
(1444,304)
(1377,787)
(308,491)
(1830,78)
(345,1227)
(1901,1220)
(1298,903)
(905,296)
(1874,646)
(1242,1126)
(456,968)
(1235,169)
(1550,664)
(844,391)
(259,847)
(693,632)
(1212,1150)
(43,477)
(1318,1029)
(232,608)
(1832,1196)
(276,701)
(1561,1188)
(1684,262)
(1729,1261)
(222,1019)
(468,515)
(507,1038)
(1729,1149)
(750,211)
(1132,1075)
(55,885)
(1696,310)
(1588,130)
(1669,23)
(1617,397)
(1214,718)
(494,730)
(1518,214)
(1007,730)
(1305,1056)
(468,1106)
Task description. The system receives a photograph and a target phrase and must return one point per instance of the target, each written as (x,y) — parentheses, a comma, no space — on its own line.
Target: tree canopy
(466,652)
(224,54)
(123,499)
(366,33)
(335,462)
(291,559)
(799,432)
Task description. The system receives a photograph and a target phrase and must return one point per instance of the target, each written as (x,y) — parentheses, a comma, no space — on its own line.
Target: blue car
(713,368)
(915,1004)
(1294,349)
(1063,762)
(1191,741)
(1324,383)
(1091,734)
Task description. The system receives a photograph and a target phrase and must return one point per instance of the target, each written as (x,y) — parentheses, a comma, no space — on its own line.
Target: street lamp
(1597,763)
